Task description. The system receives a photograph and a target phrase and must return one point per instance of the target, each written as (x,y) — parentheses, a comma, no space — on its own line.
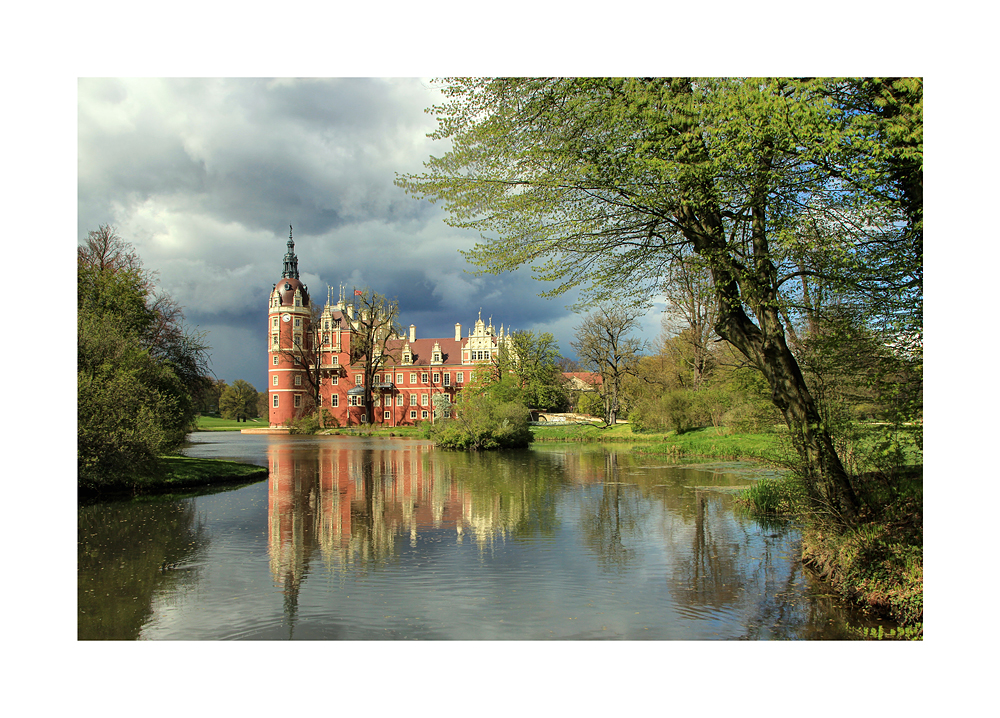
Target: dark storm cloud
(205,176)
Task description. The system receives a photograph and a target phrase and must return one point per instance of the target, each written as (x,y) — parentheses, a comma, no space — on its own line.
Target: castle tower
(287,342)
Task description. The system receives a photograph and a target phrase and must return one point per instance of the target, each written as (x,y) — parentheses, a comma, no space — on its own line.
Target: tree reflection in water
(128,554)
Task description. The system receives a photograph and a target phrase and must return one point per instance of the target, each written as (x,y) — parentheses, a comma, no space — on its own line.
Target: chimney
(413,332)
(458,332)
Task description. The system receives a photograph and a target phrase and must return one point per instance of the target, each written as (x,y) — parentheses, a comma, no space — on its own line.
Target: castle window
(274,323)
(274,380)
(387,416)
(334,400)
(423,400)
(355,400)
(274,341)
(423,377)
(274,401)
(437,356)
(298,400)
(447,379)
(413,414)
(298,322)
(274,360)
(437,377)
(458,377)
(399,378)
(357,379)
(334,380)
(298,380)
(399,399)
(413,377)
(423,414)
(413,399)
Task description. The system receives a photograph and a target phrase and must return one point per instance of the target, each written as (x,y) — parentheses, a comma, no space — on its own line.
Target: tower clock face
(286,317)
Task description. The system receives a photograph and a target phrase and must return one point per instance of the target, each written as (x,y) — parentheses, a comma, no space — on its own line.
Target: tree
(239,401)
(138,368)
(599,183)
(374,324)
(533,362)
(690,315)
(604,345)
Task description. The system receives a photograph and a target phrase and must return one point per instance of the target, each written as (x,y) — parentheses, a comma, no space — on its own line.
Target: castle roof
(287,286)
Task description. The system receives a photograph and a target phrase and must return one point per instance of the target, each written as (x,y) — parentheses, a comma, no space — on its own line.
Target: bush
(669,410)
(590,403)
(750,418)
(485,424)
(308,424)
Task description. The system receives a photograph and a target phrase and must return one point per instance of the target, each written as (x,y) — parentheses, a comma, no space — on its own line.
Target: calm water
(389,539)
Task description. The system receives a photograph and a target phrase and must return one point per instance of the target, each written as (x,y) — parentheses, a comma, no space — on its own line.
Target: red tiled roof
(586,377)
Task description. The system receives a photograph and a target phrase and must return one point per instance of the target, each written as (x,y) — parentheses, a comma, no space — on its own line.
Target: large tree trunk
(826,479)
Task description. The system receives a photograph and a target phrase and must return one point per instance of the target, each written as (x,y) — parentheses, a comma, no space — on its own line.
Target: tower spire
(291,261)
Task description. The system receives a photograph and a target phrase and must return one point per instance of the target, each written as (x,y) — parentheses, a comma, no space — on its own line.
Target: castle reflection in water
(354,507)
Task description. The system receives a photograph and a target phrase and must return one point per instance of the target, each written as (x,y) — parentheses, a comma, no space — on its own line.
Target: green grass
(592,432)
(181,473)
(214,423)
(711,442)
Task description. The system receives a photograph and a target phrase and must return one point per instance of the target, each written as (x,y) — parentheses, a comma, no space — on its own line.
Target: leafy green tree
(138,369)
(598,183)
(533,361)
(239,401)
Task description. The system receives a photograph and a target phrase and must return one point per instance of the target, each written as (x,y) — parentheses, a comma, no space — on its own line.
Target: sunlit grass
(215,423)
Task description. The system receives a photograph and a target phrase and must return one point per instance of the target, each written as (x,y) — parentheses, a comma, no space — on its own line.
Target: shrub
(484,424)
(750,418)
(308,424)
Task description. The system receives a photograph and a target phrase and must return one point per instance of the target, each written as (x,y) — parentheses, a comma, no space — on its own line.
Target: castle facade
(417,375)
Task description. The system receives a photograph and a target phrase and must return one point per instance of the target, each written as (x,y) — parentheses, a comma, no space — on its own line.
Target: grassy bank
(215,423)
(181,473)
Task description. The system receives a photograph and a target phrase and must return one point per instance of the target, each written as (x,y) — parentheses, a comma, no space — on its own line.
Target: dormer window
(437,357)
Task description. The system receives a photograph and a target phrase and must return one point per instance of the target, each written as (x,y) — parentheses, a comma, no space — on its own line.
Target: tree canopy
(602,183)
(138,368)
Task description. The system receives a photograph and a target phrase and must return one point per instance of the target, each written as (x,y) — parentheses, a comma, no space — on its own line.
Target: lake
(389,539)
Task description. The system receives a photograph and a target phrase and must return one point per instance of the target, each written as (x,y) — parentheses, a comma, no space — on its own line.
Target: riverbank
(878,561)
(180,473)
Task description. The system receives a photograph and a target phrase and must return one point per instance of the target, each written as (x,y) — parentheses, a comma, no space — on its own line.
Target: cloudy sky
(204,177)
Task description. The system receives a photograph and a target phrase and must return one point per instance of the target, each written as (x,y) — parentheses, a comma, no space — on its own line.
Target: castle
(416,376)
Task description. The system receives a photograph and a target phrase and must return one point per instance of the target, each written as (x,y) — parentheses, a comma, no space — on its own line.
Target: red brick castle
(414,372)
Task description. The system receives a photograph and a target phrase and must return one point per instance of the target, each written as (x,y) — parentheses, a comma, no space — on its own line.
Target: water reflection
(350,505)
(362,539)
(128,554)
